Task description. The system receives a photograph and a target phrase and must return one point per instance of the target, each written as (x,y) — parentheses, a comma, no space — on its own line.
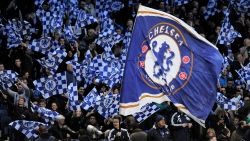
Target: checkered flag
(102,5)
(47,114)
(180,2)
(227,33)
(27,30)
(7,78)
(116,5)
(52,85)
(244,74)
(12,31)
(73,97)
(84,19)
(28,128)
(108,106)
(146,111)
(90,100)
(77,68)
(94,67)
(44,45)
(45,17)
(53,60)
(69,33)
(241,6)
(228,104)
(211,9)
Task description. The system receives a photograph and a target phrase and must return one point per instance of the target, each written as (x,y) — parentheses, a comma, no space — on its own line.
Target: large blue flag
(169,61)
(7,78)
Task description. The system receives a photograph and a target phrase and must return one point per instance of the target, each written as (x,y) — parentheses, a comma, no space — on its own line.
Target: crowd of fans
(168,124)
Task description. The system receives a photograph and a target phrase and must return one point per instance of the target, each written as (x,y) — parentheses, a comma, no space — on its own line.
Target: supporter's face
(223,90)
(119,31)
(54,106)
(230,83)
(116,123)
(161,123)
(19,87)
(210,133)
(18,63)
(239,57)
(217,29)
(116,91)
(61,121)
(26,75)
(129,23)
(92,120)
(81,90)
(78,113)
(1,67)
(91,32)
(21,102)
(161,5)
(103,89)
(236,121)
(62,41)
(42,104)
(225,72)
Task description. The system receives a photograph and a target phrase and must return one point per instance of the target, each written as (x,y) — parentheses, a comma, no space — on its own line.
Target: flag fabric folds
(227,33)
(7,78)
(108,105)
(53,60)
(73,97)
(146,111)
(52,85)
(28,128)
(169,61)
(90,99)
(211,9)
(228,104)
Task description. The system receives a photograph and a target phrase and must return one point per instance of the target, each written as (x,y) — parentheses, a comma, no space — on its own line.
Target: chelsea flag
(169,61)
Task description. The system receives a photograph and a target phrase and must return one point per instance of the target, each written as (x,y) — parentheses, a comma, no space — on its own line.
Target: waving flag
(53,60)
(73,97)
(244,74)
(228,104)
(52,85)
(211,9)
(227,33)
(84,19)
(77,68)
(90,100)
(169,61)
(44,45)
(47,114)
(12,31)
(108,106)
(28,128)
(146,111)
(7,78)
(180,2)
(241,6)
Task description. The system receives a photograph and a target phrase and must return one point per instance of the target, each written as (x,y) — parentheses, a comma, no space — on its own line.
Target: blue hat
(159,118)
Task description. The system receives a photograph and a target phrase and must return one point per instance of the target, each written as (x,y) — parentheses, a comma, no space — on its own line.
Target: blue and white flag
(90,100)
(7,78)
(73,97)
(84,19)
(228,104)
(244,74)
(180,2)
(77,68)
(52,85)
(53,60)
(28,128)
(12,31)
(44,45)
(47,114)
(146,111)
(102,5)
(211,9)
(241,6)
(108,106)
(169,61)
(227,33)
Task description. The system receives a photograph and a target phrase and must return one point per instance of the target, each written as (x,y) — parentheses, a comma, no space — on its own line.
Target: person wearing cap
(160,131)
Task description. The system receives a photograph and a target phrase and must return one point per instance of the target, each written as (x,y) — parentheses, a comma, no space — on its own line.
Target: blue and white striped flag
(44,45)
(146,111)
(90,100)
(73,97)
(52,85)
(28,128)
(53,60)
(7,78)
(108,106)
(47,114)
(211,9)
(227,33)
(228,104)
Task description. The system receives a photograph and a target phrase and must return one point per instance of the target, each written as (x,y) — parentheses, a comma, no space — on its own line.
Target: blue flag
(169,61)
(52,85)
(53,60)
(28,128)
(90,99)
(211,9)
(7,78)
(229,104)
(146,111)
(73,97)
